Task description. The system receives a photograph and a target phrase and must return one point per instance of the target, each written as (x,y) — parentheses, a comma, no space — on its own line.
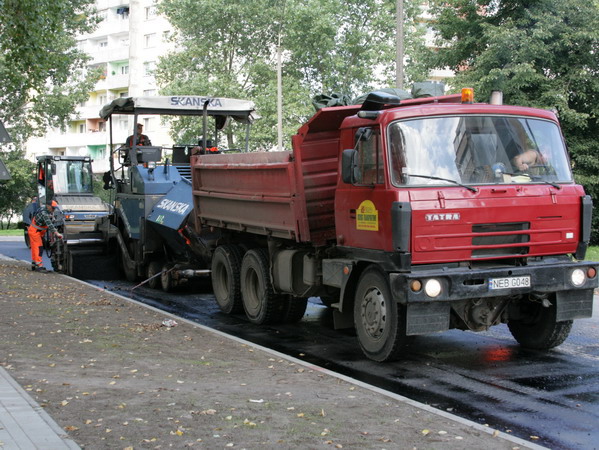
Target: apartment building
(125,46)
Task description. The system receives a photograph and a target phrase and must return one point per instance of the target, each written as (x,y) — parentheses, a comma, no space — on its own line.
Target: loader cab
(59,176)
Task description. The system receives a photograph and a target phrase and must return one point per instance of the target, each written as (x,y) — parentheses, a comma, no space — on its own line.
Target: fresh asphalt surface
(550,398)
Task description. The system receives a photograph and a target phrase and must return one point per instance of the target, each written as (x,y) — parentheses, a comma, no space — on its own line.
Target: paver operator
(41,223)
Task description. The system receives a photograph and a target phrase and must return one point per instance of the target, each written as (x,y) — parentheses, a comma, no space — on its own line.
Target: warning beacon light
(467,95)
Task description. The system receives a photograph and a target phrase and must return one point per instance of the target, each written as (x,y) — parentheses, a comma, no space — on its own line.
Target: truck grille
(500,239)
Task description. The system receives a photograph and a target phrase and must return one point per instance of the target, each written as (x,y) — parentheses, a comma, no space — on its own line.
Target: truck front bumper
(431,313)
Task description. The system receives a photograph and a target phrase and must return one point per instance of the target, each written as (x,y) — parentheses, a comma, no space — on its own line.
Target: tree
(540,53)
(16,193)
(42,73)
(227,48)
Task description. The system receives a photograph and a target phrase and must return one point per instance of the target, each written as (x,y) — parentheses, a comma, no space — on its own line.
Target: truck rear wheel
(294,308)
(539,329)
(380,322)
(260,303)
(226,265)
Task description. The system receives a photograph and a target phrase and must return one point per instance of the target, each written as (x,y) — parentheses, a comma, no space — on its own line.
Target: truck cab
(471,213)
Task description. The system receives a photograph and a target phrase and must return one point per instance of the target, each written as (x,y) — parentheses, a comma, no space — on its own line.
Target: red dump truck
(407,218)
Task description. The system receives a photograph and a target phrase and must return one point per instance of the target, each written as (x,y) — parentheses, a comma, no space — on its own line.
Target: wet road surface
(549,398)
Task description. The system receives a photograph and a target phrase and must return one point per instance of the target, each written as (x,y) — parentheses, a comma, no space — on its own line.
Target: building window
(103,44)
(123,12)
(124,70)
(102,99)
(122,124)
(150,40)
(149,68)
(81,128)
(149,92)
(123,94)
(150,12)
(101,126)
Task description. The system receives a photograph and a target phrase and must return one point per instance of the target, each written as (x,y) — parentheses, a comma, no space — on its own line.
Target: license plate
(509,282)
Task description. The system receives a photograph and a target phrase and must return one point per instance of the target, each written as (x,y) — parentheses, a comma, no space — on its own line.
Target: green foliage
(228,48)
(16,193)
(540,53)
(42,73)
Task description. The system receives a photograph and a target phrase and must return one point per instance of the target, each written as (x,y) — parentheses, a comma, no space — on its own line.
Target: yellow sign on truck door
(367,217)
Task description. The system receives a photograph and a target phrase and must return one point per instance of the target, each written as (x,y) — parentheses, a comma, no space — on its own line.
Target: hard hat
(54,204)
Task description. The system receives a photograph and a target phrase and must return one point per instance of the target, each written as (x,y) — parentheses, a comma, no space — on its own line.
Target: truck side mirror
(349,166)
(364,134)
(53,168)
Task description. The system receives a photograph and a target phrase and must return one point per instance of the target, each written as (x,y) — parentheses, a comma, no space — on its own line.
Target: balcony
(117,81)
(59,140)
(110,26)
(89,111)
(105,55)
(105,4)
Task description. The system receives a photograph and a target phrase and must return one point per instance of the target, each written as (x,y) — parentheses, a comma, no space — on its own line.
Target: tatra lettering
(441,216)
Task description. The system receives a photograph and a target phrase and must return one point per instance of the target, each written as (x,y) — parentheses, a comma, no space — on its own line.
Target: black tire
(154,268)
(294,308)
(130,274)
(167,282)
(379,321)
(260,303)
(226,284)
(539,330)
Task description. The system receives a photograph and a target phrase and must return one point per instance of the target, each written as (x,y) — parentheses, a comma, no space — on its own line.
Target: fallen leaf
(425,432)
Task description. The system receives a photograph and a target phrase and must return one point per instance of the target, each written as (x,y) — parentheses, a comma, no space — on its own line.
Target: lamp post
(399,57)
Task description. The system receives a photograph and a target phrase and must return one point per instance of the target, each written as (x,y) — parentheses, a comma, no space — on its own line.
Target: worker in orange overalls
(40,224)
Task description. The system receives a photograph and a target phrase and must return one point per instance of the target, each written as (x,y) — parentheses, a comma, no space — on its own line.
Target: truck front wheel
(260,303)
(226,264)
(379,321)
(538,328)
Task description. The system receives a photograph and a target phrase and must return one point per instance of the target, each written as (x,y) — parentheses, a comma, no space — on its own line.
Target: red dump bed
(280,194)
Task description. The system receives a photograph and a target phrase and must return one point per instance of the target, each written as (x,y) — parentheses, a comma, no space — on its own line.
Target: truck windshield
(477,150)
(72,177)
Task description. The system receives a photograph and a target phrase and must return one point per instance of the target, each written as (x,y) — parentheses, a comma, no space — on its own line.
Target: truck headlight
(577,277)
(432,287)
